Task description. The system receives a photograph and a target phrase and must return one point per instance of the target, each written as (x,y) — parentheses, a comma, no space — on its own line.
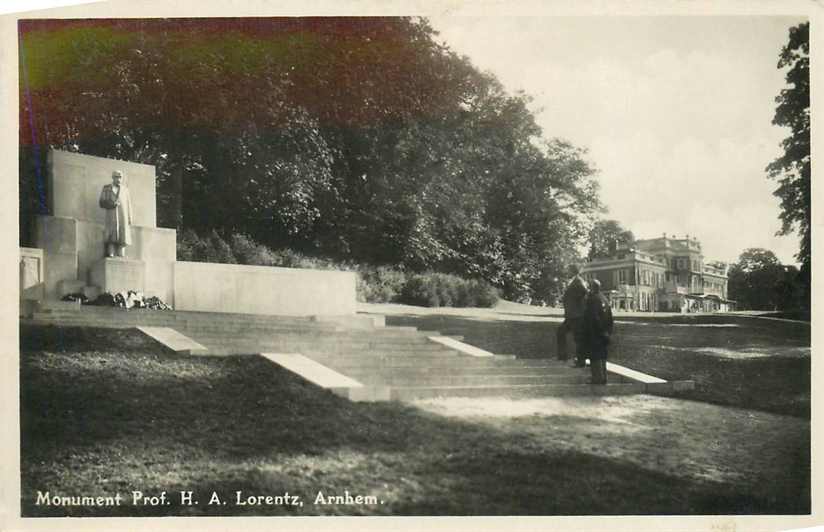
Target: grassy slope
(106,411)
(666,348)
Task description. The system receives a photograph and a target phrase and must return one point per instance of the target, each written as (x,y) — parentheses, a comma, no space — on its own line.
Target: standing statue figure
(116,201)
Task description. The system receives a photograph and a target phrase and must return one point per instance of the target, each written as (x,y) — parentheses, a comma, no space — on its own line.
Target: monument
(85,224)
(115,199)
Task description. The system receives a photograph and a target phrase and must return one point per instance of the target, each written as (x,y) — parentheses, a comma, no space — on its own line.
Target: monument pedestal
(118,275)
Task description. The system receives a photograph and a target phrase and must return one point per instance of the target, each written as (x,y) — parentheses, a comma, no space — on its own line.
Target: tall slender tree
(792,168)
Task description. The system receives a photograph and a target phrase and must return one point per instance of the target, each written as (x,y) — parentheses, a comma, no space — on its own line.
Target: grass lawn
(106,412)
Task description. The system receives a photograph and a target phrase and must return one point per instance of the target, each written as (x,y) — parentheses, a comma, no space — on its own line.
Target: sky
(675,113)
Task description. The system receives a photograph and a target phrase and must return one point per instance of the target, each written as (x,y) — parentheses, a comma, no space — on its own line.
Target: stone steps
(350,359)
(130,318)
(461,379)
(323,339)
(401,361)
(309,348)
(465,369)
(218,330)
(407,393)
(63,310)
(388,365)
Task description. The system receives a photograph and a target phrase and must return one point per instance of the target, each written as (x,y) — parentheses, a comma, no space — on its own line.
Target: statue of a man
(116,201)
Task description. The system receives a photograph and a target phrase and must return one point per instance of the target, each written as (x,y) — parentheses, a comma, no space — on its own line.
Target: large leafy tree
(792,169)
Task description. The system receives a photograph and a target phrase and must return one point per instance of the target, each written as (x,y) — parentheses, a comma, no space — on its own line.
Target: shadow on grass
(495,480)
(124,415)
(232,406)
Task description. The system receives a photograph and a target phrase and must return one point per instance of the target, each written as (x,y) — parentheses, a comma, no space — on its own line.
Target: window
(622,276)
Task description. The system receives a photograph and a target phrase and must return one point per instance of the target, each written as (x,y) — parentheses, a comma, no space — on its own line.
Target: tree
(792,169)
(757,281)
(604,235)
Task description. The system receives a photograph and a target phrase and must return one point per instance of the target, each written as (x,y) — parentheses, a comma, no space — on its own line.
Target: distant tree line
(353,139)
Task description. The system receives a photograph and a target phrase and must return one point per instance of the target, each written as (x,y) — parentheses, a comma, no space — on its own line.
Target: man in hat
(597,329)
(115,199)
(574,300)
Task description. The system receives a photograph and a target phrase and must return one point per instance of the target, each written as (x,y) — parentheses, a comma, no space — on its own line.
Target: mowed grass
(107,411)
(739,361)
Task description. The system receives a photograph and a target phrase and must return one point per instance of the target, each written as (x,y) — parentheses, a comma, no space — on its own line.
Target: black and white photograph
(458,261)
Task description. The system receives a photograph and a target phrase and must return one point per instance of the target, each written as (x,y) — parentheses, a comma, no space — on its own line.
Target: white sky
(675,112)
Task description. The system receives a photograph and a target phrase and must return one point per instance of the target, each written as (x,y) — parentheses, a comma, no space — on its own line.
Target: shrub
(483,293)
(380,285)
(446,288)
(442,290)
(218,250)
(247,251)
(213,248)
(189,246)
(288,258)
(420,291)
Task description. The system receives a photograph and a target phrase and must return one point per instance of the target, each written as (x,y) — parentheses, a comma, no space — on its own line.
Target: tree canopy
(363,139)
(792,168)
(604,235)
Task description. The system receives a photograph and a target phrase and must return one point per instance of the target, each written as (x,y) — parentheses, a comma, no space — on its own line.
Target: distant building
(661,274)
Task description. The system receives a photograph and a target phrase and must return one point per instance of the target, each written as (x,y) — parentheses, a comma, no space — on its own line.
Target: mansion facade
(665,274)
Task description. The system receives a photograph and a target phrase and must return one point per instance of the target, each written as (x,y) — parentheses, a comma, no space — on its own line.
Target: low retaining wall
(268,290)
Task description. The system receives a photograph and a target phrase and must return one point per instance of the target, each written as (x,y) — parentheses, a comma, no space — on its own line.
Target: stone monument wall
(71,240)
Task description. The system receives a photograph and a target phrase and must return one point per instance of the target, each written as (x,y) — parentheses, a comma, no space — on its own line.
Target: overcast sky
(675,112)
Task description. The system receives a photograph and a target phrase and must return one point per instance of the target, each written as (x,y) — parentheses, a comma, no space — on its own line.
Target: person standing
(597,328)
(574,304)
(117,202)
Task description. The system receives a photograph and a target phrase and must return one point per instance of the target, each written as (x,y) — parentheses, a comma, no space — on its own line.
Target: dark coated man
(597,328)
(574,305)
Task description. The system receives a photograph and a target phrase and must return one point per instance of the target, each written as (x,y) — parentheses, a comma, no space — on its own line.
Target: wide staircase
(403,360)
